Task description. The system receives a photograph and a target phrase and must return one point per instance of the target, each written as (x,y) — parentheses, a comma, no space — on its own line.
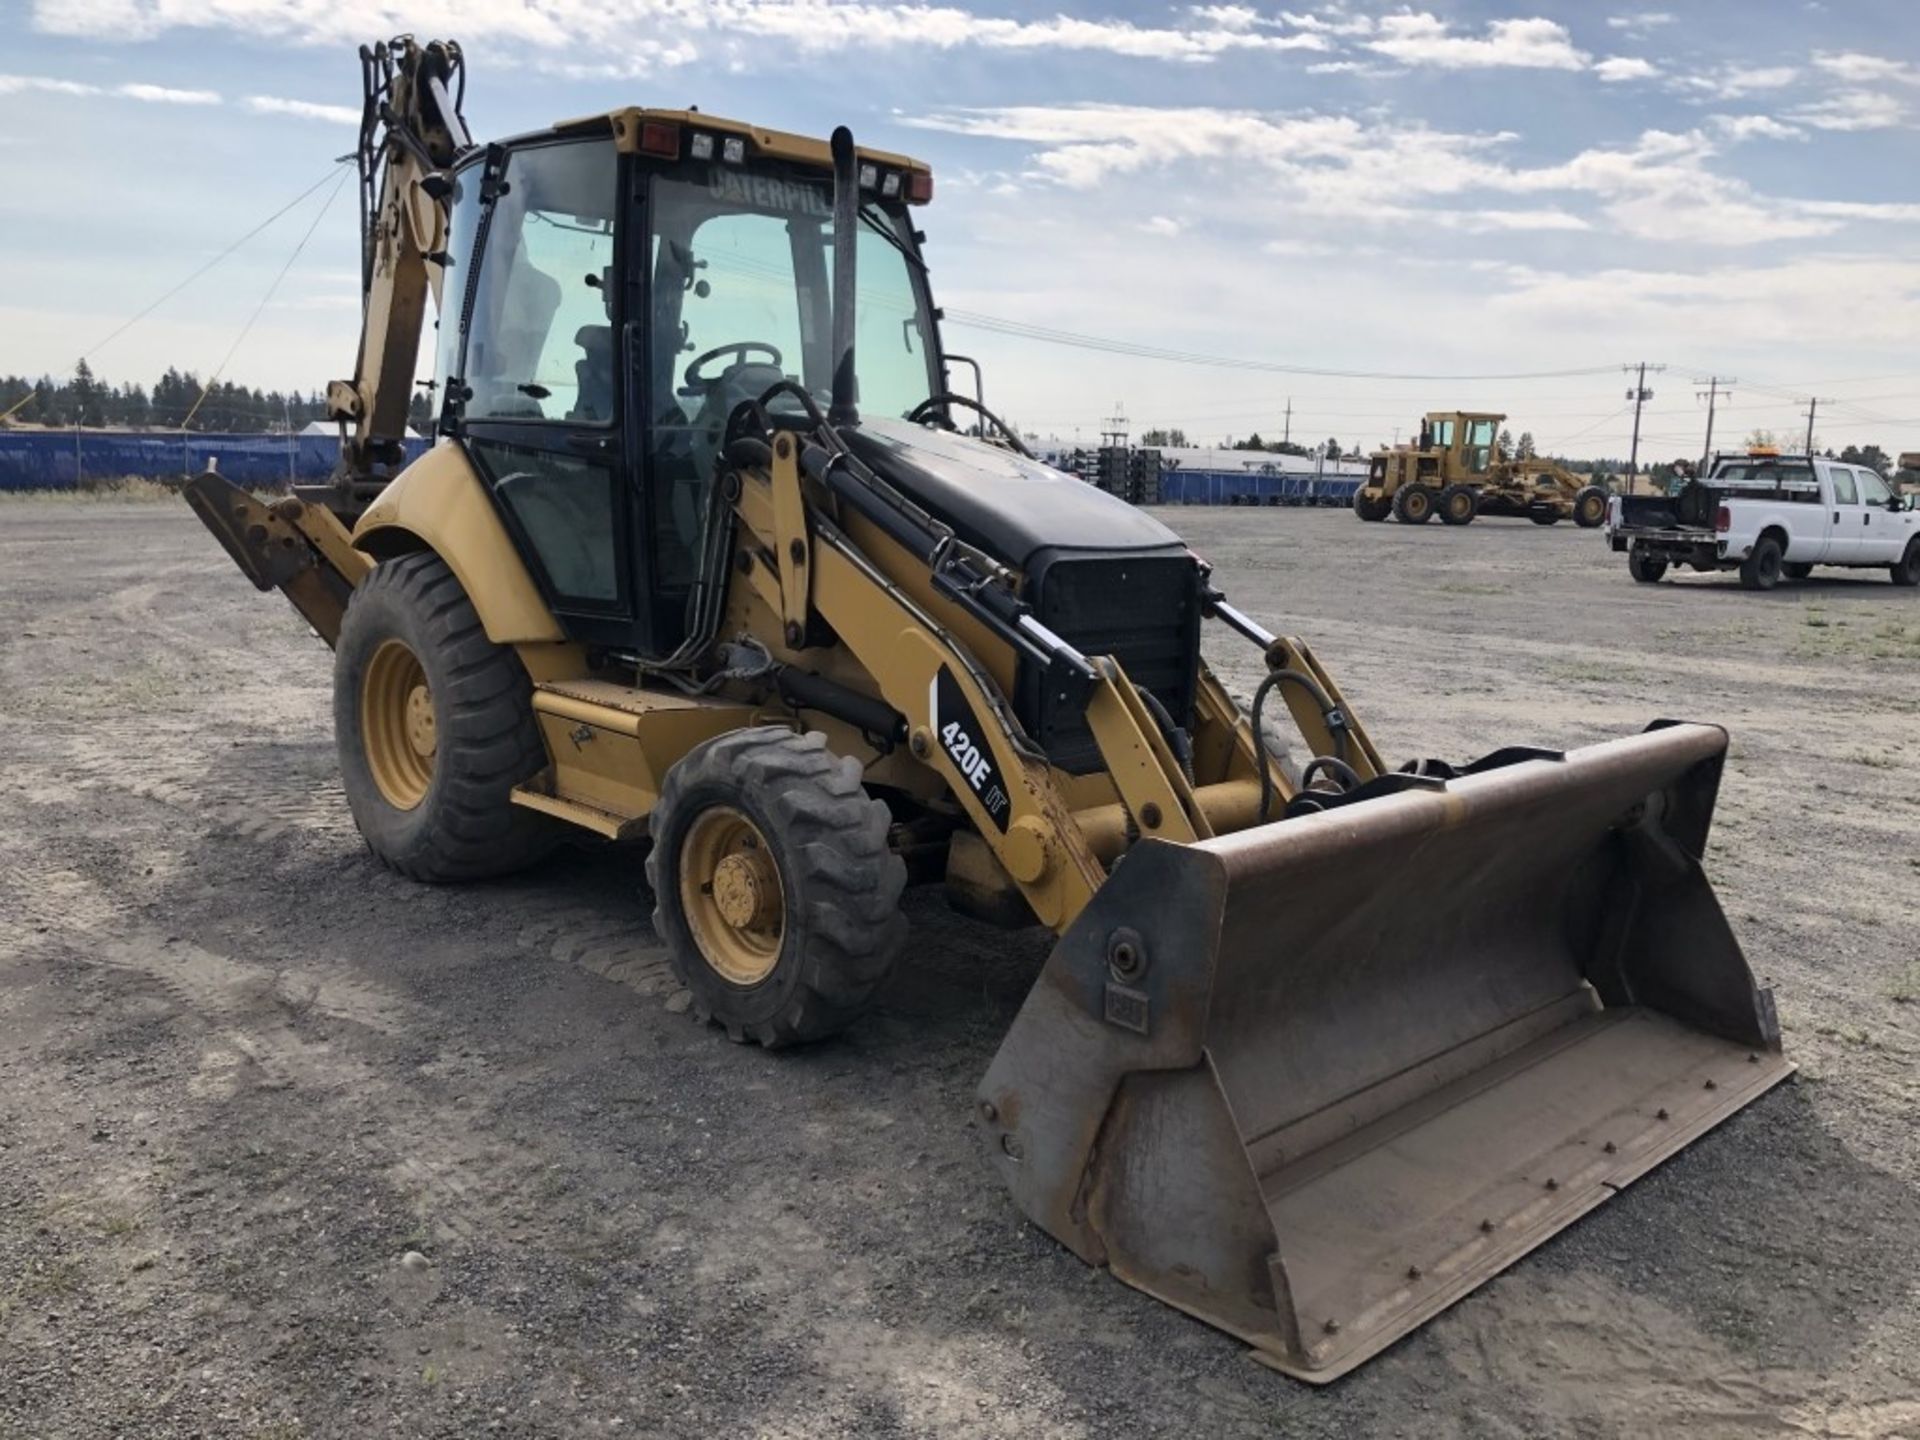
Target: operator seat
(593,372)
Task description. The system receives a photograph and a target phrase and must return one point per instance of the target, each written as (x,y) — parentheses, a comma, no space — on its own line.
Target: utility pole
(1813,408)
(1286,437)
(1715,392)
(1639,395)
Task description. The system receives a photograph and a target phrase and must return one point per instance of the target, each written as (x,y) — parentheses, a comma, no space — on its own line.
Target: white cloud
(1616,68)
(1425,39)
(161,95)
(1333,20)
(622,33)
(1755,127)
(1662,187)
(1894,213)
(132,90)
(1846,299)
(1854,110)
(1744,80)
(47,84)
(1491,221)
(1162,225)
(1861,68)
(1226,17)
(304,109)
(1643,20)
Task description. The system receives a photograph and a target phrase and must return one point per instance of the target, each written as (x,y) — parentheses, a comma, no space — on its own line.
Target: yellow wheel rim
(731,893)
(1462,506)
(1418,503)
(1592,508)
(398,727)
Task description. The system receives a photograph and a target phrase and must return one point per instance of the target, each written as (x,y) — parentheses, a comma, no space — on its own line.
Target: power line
(128,324)
(247,329)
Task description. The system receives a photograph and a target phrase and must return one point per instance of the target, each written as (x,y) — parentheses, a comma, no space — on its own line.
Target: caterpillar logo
(960,736)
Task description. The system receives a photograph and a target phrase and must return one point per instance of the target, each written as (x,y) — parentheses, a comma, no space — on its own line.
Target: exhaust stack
(845,409)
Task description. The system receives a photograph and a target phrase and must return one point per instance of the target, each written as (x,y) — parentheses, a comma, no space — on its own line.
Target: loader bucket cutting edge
(1315,1081)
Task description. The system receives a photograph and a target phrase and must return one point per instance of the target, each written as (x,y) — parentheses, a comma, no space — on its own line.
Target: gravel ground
(292,1147)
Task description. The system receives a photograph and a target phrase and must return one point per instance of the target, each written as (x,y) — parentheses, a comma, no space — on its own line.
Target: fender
(439,503)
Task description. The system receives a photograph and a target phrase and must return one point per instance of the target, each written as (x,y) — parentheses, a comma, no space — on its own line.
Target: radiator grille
(1143,611)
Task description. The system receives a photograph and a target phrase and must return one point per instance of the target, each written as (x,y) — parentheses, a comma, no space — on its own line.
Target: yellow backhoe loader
(678,568)
(1457,470)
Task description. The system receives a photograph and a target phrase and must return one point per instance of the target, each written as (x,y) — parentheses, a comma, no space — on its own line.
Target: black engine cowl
(1107,578)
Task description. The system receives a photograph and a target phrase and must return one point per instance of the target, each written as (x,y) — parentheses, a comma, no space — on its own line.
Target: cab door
(1886,531)
(1846,518)
(535,393)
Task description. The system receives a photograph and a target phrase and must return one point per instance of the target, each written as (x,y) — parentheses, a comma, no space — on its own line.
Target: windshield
(741,263)
(742,270)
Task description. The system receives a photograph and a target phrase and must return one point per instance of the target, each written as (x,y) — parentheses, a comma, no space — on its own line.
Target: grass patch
(1906,986)
(1468,588)
(116,491)
(1875,762)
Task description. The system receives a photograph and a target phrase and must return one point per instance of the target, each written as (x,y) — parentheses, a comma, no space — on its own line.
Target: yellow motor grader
(1457,470)
(679,569)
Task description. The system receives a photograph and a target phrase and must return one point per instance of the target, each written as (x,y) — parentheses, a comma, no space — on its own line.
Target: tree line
(88,402)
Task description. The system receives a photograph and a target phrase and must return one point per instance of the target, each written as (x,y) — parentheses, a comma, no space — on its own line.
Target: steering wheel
(739,349)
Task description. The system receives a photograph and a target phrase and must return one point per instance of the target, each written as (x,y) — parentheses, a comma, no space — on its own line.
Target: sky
(1411,196)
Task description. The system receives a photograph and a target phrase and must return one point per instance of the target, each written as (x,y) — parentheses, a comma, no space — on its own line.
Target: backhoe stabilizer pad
(267,549)
(270,549)
(1315,1081)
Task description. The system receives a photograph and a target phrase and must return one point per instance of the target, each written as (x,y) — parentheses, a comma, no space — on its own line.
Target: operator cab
(614,290)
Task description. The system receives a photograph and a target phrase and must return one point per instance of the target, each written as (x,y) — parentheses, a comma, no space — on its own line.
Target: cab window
(1873,490)
(1844,490)
(540,340)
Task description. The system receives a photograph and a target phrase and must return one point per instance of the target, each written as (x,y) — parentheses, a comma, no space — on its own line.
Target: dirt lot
(243,1071)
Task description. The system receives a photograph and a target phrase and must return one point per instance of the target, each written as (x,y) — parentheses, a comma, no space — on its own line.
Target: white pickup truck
(1770,517)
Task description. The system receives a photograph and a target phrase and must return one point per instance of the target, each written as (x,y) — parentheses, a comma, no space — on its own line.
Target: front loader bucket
(1315,1081)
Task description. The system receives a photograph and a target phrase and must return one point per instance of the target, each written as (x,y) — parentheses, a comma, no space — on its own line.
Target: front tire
(434,725)
(774,887)
(1906,574)
(1645,566)
(1413,504)
(1371,507)
(1458,505)
(1590,507)
(1762,568)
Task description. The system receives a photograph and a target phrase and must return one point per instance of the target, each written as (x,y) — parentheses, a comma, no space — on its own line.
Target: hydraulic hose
(1336,725)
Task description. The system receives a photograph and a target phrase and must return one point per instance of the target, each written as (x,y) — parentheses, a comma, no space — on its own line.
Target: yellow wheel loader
(679,568)
(1457,471)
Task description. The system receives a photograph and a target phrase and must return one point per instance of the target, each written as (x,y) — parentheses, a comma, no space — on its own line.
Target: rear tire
(1907,573)
(1543,515)
(1590,507)
(434,725)
(773,885)
(1796,570)
(1371,508)
(1458,505)
(1762,568)
(1413,504)
(1645,566)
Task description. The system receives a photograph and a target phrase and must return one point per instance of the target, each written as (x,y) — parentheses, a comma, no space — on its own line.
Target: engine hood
(1010,507)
